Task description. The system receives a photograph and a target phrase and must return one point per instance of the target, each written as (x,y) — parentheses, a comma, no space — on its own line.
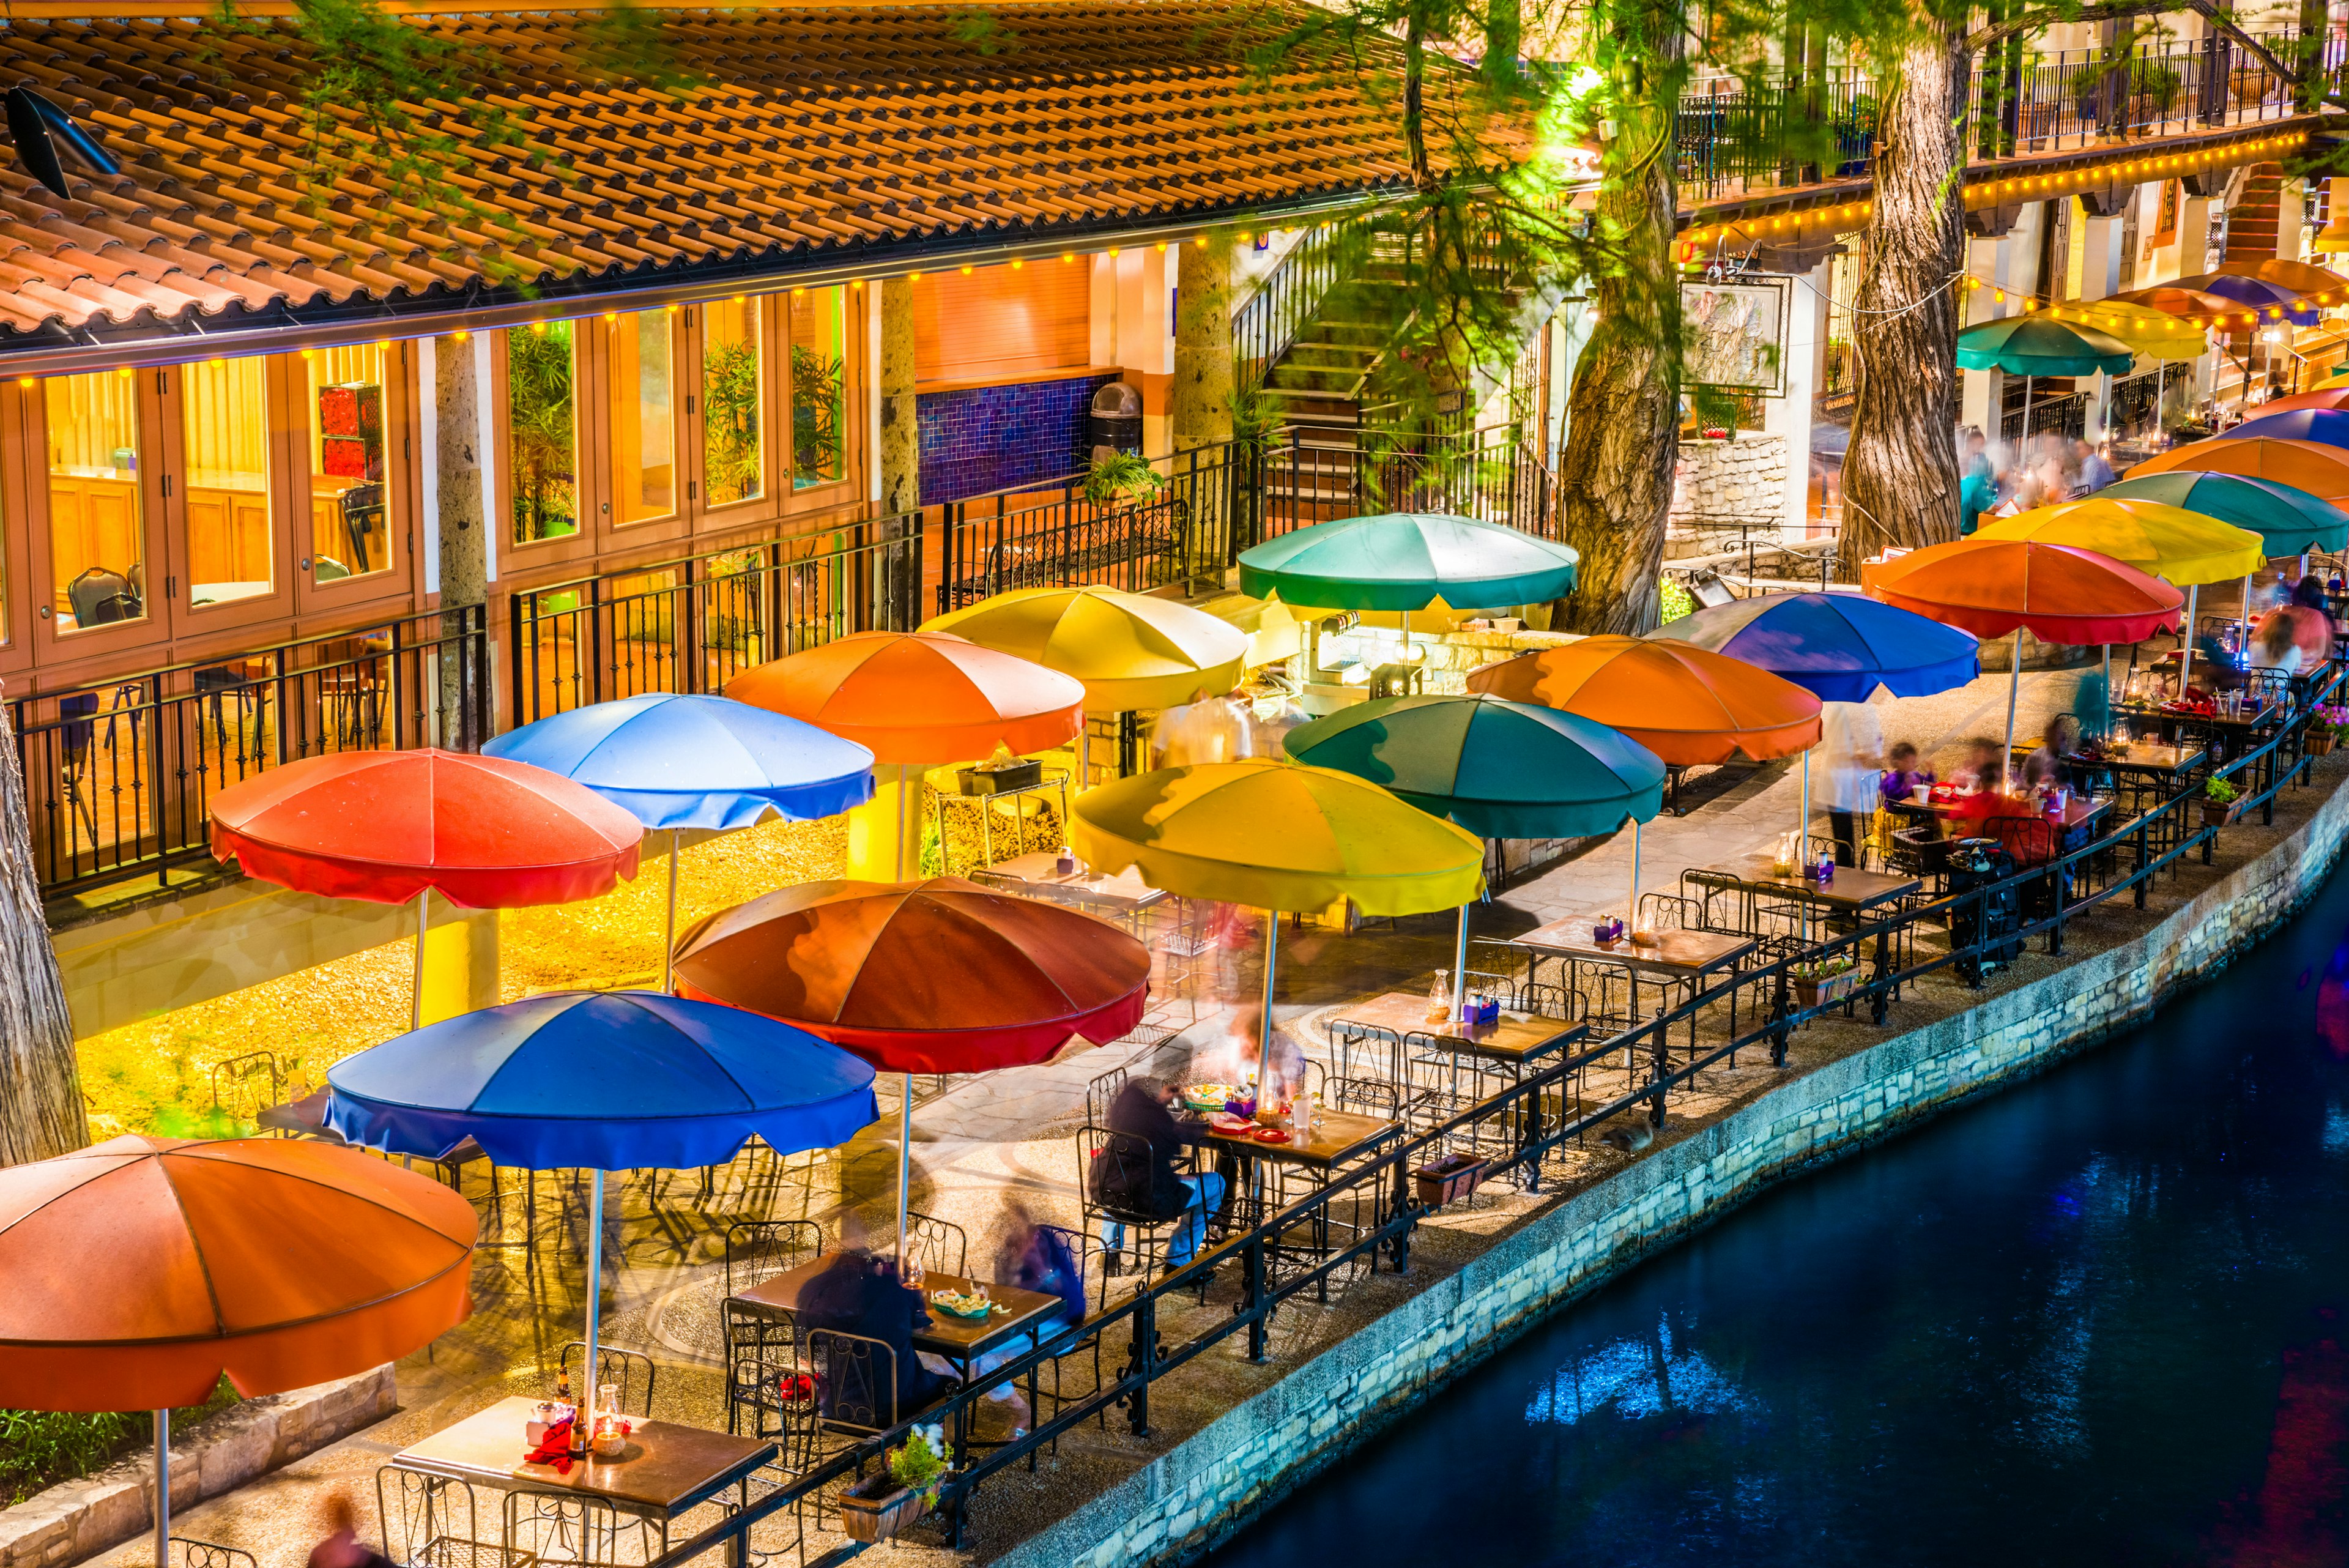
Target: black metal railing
(1288,300)
(120,773)
(1364,1217)
(1496,475)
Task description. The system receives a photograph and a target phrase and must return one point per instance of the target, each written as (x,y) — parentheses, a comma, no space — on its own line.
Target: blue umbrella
(2326,427)
(1839,647)
(680,762)
(608,1080)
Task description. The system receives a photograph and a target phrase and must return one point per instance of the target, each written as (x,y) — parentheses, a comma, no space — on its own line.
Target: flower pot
(877,1509)
(2215,815)
(1822,990)
(2318,743)
(1450,1179)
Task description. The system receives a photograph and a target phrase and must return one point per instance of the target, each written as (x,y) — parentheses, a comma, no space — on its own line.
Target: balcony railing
(1737,137)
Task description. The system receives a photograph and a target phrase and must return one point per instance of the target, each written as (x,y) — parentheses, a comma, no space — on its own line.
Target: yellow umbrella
(1131,650)
(2141,326)
(2185,548)
(1278,835)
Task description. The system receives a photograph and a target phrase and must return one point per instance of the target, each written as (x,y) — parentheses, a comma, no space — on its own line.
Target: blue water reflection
(2093,1321)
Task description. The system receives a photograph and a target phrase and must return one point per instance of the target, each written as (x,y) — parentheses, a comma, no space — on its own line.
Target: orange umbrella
(2322,398)
(2192,303)
(2321,470)
(1683,703)
(142,1268)
(919,696)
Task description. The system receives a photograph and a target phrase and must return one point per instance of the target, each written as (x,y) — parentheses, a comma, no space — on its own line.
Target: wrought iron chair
(760,1249)
(1122,1161)
(631,1371)
(941,1241)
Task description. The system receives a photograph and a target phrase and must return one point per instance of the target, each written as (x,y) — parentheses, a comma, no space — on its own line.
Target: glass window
(644,421)
(542,433)
(349,483)
(818,386)
(733,396)
(97,545)
(224,415)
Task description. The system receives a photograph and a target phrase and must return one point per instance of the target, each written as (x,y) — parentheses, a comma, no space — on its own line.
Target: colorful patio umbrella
(2289,522)
(917,698)
(2321,471)
(385,826)
(1278,835)
(2321,285)
(1839,647)
(1130,650)
(2189,304)
(937,976)
(2039,345)
(2331,392)
(142,1270)
(1406,561)
(675,1085)
(1685,703)
(1993,587)
(1500,769)
(2325,426)
(680,762)
(2270,300)
(2142,328)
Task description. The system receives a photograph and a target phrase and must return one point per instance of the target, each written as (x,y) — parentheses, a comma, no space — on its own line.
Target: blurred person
(2275,644)
(1906,772)
(1851,742)
(1984,767)
(1976,458)
(1141,1113)
(861,1293)
(2050,766)
(2095,473)
(1031,1257)
(1207,729)
(1977,493)
(340,1547)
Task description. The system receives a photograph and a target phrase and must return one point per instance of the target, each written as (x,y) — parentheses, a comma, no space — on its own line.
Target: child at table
(1906,772)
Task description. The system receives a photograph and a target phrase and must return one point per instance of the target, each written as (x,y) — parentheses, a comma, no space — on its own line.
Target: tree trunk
(1622,438)
(897,583)
(464,526)
(40,1088)
(1900,474)
(1414,99)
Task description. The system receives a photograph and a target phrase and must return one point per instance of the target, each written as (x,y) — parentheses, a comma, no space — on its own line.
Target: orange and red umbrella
(2320,470)
(2061,594)
(1685,703)
(141,1270)
(919,696)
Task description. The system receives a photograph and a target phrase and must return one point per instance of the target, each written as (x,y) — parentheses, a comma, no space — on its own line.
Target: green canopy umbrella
(1406,561)
(1500,769)
(2041,346)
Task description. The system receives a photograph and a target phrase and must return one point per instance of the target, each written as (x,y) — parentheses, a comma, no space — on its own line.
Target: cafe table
(1334,1138)
(1039,876)
(665,1470)
(1511,1042)
(1851,893)
(1674,960)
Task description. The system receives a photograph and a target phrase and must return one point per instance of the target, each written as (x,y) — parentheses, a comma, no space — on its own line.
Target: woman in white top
(1851,744)
(2275,648)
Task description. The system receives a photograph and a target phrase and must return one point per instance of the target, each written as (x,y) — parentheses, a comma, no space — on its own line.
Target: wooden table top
(959,1339)
(1511,1037)
(1682,953)
(1852,889)
(2265,716)
(1342,1135)
(665,1469)
(1036,870)
(2077,813)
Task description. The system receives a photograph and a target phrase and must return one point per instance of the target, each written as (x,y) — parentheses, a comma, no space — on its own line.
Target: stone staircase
(2251,219)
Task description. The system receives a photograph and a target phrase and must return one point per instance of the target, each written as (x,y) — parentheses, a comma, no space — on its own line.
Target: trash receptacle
(1114,424)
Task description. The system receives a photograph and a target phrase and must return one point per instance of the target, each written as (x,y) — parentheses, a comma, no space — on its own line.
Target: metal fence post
(1254,1302)
(1142,1363)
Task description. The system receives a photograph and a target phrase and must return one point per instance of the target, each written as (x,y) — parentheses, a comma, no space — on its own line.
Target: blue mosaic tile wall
(993,438)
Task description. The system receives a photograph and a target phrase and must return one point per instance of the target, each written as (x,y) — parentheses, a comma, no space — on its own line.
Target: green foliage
(212,1122)
(819,392)
(1122,479)
(1677,601)
(540,432)
(918,1464)
(39,1448)
(1716,407)
(2219,792)
(729,419)
(984,32)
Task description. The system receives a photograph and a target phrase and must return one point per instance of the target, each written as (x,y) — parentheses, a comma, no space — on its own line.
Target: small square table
(1125,891)
(1850,892)
(1676,957)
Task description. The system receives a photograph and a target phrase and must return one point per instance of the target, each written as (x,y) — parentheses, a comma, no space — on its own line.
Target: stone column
(1199,401)
(463,529)
(461,962)
(898,585)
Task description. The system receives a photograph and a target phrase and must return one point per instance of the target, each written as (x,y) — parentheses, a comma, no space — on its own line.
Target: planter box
(1000,781)
(876,1509)
(1826,990)
(2217,815)
(1448,1179)
(2317,742)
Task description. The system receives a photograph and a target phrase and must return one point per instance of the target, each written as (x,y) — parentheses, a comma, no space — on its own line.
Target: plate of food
(1208,1096)
(1225,1122)
(953,1303)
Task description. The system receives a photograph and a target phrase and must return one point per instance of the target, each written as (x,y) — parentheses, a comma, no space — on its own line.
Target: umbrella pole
(1635,872)
(1803,842)
(668,938)
(901,822)
(1272,968)
(1459,965)
(164,1488)
(416,992)
(2186,645)
(904,1167)
(2014,690)
(2244,646)
(584,1436)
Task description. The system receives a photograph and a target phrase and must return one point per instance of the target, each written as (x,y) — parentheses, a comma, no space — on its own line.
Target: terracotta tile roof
(818,136)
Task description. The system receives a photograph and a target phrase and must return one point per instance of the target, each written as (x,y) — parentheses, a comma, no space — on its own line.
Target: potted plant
(876,1508)
(1820,982)
(1452,1177)
(2218,798)
(1122,479)
(2326,727)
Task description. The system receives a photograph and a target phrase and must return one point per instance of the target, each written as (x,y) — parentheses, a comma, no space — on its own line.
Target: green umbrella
(1500,769)
(1406,561)
(2289,520)
(2039,346)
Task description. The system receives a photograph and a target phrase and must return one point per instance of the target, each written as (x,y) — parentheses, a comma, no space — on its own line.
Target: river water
(2097,1319)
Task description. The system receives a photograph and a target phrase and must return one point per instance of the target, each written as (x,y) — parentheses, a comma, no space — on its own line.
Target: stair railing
(1285,301)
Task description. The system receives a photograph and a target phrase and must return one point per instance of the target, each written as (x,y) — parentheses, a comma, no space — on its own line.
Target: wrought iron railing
(120,773)
(1288,300)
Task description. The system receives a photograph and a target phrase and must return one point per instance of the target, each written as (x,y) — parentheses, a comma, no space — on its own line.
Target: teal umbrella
(2041,346)
(1406,561)
(2291,521)
(1500,769)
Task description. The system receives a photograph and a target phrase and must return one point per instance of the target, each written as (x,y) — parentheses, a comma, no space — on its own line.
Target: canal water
(2098,1319)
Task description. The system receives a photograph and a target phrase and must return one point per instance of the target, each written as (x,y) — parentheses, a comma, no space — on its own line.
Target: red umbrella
(940,976)
(386,826)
